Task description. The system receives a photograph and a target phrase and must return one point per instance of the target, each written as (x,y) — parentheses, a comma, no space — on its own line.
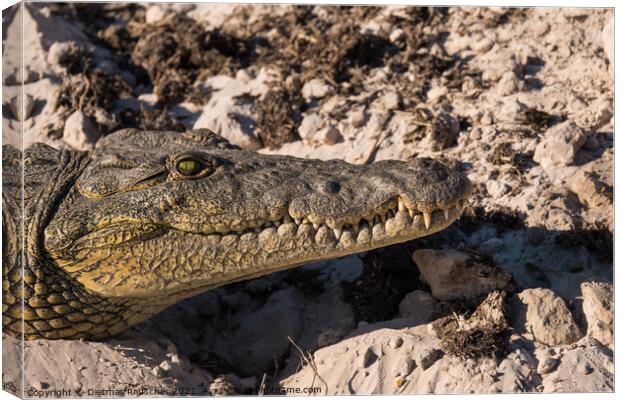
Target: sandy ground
(517,296)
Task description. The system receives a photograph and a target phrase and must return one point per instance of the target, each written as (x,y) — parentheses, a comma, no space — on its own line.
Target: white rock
(598,307)
(503,62)
(80,132)
(427,357)
(357,117)
(397,35)
(595,115)
(391,101)
(452,275)
(482,46)
(154,14)
(508,84)
(418,306)
(436,93)
(214,15)
(404,366)
(231,117)
(313,132)
(511,111)
(395,343)
(559,145)
(547,365)
(15,106)
(475,133)
(28,106)
(445,132)
(496,188)
(148,98)
(542,313)
(166,366)
(559,174)
(309,126)
(589,187)
(523,53)
(315,89)
(487,119)
(328,135)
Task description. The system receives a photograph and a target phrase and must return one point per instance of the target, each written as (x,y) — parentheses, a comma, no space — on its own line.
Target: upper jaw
(377,192)
(423,196)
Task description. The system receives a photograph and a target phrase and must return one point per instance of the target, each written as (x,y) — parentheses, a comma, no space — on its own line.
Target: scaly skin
(116,235)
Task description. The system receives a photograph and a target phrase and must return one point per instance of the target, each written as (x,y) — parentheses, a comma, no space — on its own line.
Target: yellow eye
(189,167)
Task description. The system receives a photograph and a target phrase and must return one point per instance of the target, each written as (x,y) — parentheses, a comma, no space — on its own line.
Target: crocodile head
(161,216)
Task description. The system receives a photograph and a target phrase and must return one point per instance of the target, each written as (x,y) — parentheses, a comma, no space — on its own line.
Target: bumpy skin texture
(114,236)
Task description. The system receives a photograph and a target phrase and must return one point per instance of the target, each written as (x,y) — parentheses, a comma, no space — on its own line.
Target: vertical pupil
(188,167)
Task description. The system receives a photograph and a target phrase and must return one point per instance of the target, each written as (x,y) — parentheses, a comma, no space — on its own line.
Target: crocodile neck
(40,300)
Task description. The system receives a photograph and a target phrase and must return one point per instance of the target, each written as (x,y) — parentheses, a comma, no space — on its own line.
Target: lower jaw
(215,260)
(266,252)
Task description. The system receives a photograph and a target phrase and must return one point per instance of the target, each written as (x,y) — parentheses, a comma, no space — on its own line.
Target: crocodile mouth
(394,219)
(394,216)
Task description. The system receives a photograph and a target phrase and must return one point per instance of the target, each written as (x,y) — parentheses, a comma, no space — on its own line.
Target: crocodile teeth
(297,221)
(401,205)
(382,218)
(446,214)
(411,213)
(277,223)
(416,219)
(316,226)
(428,217)
(355,228)
(337,232)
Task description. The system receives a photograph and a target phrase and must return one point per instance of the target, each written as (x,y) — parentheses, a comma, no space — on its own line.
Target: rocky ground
(517,296)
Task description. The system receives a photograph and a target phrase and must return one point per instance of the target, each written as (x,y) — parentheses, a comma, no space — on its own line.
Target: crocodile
(110,237)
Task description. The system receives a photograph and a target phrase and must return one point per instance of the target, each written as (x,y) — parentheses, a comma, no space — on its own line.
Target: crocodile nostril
(329,187)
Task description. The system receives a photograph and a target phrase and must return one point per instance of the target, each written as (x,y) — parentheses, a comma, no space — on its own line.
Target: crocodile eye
(189,167)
